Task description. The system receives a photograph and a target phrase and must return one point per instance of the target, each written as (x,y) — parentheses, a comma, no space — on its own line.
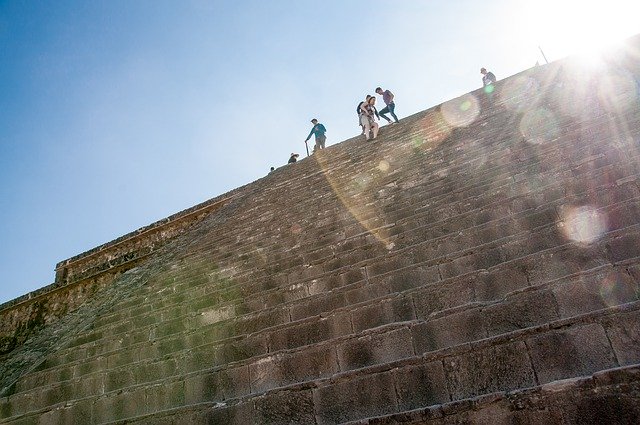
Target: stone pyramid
(478,263)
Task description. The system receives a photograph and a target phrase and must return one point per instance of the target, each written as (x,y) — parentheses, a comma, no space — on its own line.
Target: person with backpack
(368,114)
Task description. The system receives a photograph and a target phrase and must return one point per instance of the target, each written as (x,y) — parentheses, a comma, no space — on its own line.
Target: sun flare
(568,27)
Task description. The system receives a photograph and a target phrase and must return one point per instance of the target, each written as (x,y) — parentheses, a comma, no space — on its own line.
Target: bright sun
(565,27)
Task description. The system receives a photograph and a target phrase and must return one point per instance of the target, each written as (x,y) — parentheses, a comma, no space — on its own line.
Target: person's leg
(383,112)
(392,107)
(364,122)
(321,141)
(374,128)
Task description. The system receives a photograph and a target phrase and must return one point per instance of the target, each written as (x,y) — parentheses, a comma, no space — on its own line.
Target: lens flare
(583,225)
(617,288)
(618,92)
(296,229)
(384,166)
(431,131)
(462,111)
(520,93)
(539,126)
(356,194)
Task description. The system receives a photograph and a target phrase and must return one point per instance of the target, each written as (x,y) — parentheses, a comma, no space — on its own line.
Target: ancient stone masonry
(478,263)
(78,278)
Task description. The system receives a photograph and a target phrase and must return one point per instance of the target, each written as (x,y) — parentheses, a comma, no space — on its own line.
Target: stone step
(461,323)
(327,302)
(562,349)
(625,190)
(594,399)
(505,251)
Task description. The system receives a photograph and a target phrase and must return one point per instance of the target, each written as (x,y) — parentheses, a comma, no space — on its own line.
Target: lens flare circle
(520,93)
(584,225)
(462,111)
(617,288)
(384,166)
(539,126)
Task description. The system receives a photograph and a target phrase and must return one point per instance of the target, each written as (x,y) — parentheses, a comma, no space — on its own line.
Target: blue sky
(115,114)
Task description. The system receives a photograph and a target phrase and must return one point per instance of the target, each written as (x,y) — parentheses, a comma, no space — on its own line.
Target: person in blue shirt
(318,130)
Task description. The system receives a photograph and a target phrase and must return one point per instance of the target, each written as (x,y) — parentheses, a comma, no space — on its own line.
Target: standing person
(487,77)
(368,112)
(359,111)
(293,158)
(318,130)
(387,98)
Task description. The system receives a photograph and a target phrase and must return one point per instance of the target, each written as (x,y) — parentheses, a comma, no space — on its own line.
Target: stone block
(257,322)
(285,407)
(121,358)
(500,368)
(118,379)
(375,349)
(171,345)
(622,216)
(623,331)
(317,305)
(164,396)
(448,331)
(237,414)
(532,242)
(300,335)
(420,386)
(199,358)
(201,388)
(624,247)
(402,280)
(550,265)
(288,368)
(91,385)
(118,406)
(387,264)
(520,311)
(364,292)
(442,296)
(594,291)
(496,283)
(578,351)
(77,412)
(171,328)
(22,403)
(356,398)
(397,309)
(234,382)
(240,349)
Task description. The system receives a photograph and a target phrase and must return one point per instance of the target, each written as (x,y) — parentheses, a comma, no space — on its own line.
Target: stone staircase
(477,263)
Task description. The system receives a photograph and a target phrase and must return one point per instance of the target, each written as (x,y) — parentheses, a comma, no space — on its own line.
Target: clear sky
(117,113)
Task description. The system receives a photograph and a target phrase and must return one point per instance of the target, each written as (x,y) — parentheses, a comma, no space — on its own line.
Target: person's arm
(310,134)
(375,110)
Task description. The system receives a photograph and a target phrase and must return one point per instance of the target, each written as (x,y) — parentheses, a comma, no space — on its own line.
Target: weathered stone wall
(79,277)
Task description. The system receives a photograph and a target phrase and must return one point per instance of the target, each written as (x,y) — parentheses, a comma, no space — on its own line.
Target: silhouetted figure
(293,158)
(318,130)
(487,77)
(387,98)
